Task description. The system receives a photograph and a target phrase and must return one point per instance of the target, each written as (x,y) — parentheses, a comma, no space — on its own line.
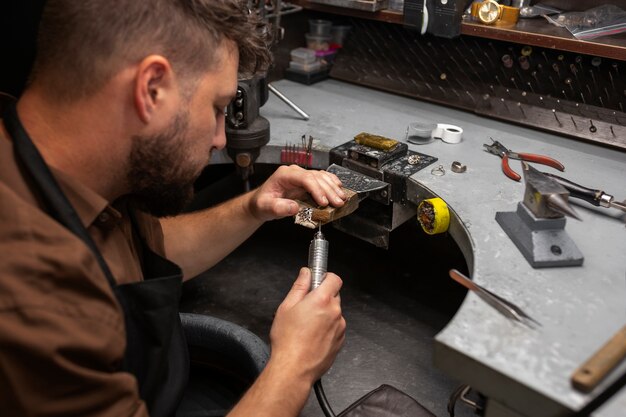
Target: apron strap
(60,207)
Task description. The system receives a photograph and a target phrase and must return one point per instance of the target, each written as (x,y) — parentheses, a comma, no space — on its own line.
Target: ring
(438,171)
(458,167)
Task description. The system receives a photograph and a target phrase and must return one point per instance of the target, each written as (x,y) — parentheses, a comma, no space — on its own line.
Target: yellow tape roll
(433,215)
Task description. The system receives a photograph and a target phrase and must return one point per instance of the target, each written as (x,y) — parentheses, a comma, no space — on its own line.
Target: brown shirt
(62,334)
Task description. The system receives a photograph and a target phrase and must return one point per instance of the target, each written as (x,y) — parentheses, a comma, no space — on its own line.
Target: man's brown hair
(83,43)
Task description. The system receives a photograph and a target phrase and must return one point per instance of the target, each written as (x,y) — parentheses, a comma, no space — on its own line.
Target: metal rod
(556,117)
(288,102)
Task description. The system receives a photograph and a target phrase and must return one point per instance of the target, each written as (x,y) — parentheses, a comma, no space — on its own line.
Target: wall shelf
(538,32)
(534,32)
(388,16)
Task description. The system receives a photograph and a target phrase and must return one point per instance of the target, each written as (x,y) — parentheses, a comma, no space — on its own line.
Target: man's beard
(160,176)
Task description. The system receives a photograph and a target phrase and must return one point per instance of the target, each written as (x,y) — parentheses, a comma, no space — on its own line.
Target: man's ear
(153,84)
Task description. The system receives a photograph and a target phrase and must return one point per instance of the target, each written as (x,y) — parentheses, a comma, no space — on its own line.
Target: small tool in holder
(537,228)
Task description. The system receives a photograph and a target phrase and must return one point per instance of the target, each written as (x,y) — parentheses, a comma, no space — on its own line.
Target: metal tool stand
(543,242)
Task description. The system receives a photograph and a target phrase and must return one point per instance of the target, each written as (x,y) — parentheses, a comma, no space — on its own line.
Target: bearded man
(97,159)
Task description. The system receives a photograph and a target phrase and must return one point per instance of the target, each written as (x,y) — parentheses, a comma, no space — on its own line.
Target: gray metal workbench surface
(522,370)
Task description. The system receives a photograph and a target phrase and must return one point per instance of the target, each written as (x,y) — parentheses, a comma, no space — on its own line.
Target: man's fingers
(334,184)
(282,207)
(331,284)
(324,190)
(299,289)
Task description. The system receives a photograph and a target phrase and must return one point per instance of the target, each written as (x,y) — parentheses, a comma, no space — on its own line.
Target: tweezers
(504,307)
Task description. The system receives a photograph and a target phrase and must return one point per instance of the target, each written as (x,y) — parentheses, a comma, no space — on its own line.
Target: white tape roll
(448,133)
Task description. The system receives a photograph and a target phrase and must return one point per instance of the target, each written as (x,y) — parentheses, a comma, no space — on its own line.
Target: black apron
(156,351)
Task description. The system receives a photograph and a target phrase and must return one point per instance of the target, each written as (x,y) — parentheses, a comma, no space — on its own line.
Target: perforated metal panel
(577,95)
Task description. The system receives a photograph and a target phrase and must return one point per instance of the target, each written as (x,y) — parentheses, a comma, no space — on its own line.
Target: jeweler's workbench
(522,371)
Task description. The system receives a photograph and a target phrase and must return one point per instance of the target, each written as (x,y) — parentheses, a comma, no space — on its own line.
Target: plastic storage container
(327,57)
(317,42)
(320,27)
(303,55)
(339,33)
(315,66)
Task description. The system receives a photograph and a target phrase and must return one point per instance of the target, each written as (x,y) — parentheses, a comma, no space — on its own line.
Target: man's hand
(274,199)
(309,329)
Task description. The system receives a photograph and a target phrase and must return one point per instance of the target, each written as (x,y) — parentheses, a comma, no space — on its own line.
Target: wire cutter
(499,149)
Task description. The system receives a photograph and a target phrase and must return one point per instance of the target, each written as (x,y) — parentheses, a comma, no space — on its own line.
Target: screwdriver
(596,197)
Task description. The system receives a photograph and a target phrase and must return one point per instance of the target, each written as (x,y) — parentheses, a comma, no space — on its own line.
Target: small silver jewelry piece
(414,159)
(438,171)
(458,167)
(304,215)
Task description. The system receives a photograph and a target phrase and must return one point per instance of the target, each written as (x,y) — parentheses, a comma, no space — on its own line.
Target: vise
(383,208)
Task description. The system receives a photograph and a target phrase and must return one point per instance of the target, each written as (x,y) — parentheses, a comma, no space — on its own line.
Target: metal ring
(438,171)
(458,167)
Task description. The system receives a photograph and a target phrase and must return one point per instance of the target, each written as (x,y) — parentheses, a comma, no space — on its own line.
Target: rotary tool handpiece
(318,259)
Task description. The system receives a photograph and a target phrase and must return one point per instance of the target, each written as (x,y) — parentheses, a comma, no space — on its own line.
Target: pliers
(499,149)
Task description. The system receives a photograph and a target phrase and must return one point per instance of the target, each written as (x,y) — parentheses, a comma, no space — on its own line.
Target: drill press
(246,130)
